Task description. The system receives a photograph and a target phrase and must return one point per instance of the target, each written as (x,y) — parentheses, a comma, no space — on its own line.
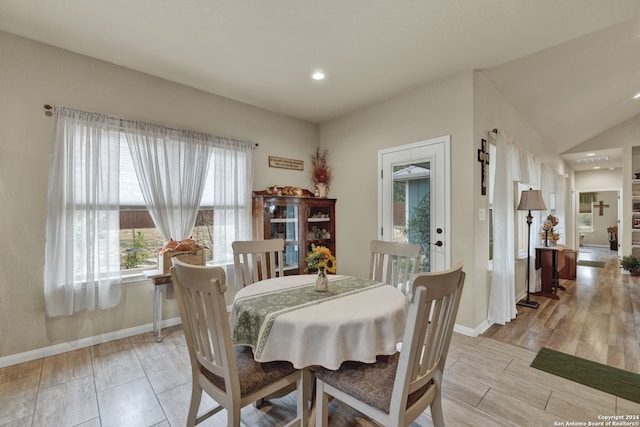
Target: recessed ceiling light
(596,167)
(591,154)
(636,96)
(318,75)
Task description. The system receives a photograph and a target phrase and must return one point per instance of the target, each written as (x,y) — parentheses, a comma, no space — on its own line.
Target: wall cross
(483,158)
(601,205)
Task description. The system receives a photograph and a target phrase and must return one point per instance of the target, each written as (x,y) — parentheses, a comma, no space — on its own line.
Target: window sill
(133,278)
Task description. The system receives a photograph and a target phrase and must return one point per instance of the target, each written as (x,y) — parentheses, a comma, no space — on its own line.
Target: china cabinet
(300,221)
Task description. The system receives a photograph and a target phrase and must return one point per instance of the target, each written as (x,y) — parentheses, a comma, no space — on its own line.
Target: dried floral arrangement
(320,170)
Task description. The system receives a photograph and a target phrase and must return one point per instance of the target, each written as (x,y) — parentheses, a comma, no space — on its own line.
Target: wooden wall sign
(281,162)
(483,158)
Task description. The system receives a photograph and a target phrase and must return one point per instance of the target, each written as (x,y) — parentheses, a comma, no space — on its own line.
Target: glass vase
(322,281)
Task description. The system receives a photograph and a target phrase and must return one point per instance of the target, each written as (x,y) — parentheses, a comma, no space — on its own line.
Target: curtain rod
(48,107)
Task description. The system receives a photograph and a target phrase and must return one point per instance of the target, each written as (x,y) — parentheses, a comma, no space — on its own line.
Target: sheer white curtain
(502,304)
(82,255)
(228,192)
(560,192)
(513,164)
(172,167)
(535,168)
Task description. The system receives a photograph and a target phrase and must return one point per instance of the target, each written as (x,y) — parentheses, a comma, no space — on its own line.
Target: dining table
(285,318)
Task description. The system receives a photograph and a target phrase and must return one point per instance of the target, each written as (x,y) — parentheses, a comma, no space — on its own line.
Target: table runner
(255,314)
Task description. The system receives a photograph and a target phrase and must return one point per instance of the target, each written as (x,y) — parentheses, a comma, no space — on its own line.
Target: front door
(414,198)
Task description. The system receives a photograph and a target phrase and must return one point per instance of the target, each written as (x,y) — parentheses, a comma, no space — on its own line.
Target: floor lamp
(530,200)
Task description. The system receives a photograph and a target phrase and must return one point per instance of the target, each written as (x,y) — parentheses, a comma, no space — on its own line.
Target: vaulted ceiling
(570,67)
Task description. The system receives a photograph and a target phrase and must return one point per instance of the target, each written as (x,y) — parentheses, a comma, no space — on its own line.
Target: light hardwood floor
(488,382)
(596,318)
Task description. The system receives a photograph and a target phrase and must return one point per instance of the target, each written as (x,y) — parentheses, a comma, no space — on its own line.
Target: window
(139,236)
(585,211)
(585,222)
(108,176)
(225,201)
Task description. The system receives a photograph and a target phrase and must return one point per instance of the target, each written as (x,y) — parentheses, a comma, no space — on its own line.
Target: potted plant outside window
(631,263)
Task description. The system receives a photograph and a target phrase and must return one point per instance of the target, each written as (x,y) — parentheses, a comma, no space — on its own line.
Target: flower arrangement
(550,222)
(320,257)
(547,232)
(320,170)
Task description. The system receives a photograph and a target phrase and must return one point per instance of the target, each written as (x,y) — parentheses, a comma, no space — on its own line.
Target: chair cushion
(252,375)
(371,383)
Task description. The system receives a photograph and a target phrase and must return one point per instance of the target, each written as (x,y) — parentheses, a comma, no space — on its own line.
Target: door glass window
(412,206)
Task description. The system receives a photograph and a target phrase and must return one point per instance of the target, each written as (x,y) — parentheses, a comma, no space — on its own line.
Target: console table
(551,259)
(161,283)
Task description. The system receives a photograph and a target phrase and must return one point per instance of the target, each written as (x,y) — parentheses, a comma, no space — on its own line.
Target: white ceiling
(570,67)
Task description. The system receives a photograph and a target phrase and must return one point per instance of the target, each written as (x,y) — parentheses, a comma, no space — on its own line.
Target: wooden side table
(161,282)
(551,260)
(569,270)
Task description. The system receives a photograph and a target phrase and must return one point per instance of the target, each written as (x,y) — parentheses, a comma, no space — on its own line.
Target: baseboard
(30,355)
(472,332)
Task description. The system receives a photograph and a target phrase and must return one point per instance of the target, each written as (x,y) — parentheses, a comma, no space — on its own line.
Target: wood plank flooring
(596,318)
(137,381)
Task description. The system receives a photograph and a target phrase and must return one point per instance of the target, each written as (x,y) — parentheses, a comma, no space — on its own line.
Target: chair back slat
(256,260)
(434,300)
(394,263)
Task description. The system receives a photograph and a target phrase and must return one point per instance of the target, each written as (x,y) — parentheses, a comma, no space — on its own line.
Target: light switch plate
(482,214)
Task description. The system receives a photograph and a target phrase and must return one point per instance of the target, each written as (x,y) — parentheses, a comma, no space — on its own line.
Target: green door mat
(598,264)
(611,380)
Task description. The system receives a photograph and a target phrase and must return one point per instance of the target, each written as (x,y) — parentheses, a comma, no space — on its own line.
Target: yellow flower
(320,256)
(329,264)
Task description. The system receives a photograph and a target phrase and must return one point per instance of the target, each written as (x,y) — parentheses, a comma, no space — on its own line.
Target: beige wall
(444,107)
(33,74)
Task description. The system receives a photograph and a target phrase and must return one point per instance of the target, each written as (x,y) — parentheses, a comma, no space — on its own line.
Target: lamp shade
(531,200)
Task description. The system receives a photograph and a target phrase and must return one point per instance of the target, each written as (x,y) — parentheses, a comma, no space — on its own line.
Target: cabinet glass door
(319,228)
(284,225)
(284,222)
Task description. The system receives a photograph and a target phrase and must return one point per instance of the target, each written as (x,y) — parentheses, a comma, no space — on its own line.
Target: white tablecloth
(354,326)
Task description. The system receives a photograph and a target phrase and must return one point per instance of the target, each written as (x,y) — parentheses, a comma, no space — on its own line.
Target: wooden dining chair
(394,263)
(227,373)
(396,389)
(256,260)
